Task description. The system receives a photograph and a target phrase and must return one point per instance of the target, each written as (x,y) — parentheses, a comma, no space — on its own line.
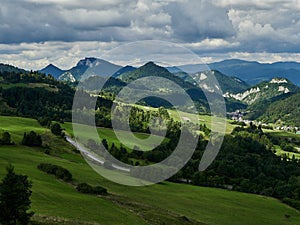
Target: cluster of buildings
(239,117)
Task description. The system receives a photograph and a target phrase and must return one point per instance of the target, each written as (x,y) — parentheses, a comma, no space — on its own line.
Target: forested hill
(287,110)
(9,68)
(34,95)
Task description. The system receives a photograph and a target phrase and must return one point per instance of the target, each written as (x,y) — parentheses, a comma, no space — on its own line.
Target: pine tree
(15,198)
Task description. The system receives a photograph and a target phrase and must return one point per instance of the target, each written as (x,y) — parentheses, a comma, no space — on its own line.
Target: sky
(34,33)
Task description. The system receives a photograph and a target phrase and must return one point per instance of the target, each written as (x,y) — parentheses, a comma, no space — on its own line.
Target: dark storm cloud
(51,20)
(198,20)
(23,21)
(29,22)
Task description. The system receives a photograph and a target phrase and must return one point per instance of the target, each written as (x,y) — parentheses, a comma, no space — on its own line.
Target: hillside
(258,108)
(286,110)
(57,202)
(111,85)
(10,68)
(265,90)
(35,95)
(151,69)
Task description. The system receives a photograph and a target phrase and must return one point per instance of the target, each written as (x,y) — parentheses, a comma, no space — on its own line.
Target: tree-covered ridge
(287,110)
(257,109)
(10,68)
(151,69)
(35,95)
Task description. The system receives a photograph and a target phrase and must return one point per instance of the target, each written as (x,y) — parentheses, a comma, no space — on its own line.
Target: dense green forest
(286,110)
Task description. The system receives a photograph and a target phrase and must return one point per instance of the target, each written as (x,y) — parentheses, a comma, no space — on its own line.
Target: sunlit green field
(165,203)
(105,133)
(201,119)
(290,155)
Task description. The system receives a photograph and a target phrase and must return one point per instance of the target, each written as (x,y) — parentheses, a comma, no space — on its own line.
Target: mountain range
(249,71)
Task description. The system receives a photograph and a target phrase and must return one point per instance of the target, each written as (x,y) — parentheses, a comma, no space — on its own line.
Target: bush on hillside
(32,139)
(6,139)
(88,189)
(56,129)
(58,171)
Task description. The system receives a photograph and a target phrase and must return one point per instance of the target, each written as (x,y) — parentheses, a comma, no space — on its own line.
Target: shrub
(88,189)
(64,174)
(44,122)
(58,171)
(6,139)
(32,139)
(56,129)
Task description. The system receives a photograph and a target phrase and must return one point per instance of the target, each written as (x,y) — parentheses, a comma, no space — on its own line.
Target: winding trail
(87,153)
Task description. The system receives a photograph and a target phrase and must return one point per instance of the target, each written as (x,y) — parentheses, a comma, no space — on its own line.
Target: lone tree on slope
(15,198)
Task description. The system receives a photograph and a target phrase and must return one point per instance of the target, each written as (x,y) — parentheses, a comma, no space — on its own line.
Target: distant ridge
(250,71)
(52,70)
(255,72)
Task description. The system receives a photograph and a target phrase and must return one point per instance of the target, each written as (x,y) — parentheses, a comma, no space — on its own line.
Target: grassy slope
(55,198)
(290,155)
(203,119)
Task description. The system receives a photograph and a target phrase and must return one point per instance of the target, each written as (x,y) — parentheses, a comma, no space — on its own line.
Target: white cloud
(211,44)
